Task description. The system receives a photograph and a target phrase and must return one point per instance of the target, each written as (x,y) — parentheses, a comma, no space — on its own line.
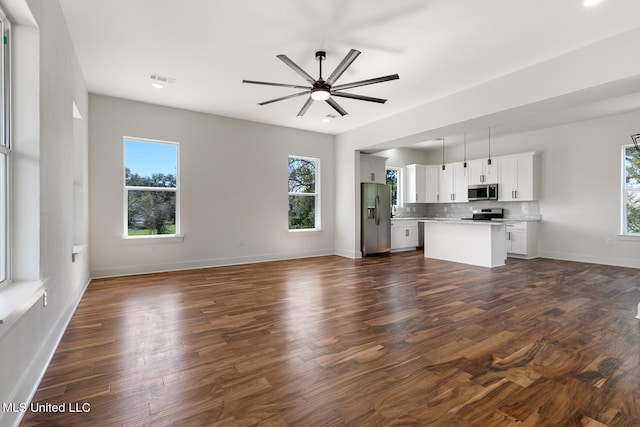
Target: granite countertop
(503,220)
(464,222)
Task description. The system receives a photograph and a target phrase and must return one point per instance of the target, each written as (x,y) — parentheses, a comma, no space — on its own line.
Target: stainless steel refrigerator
(376,219)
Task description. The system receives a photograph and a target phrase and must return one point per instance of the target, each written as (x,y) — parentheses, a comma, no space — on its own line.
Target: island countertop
(466,222)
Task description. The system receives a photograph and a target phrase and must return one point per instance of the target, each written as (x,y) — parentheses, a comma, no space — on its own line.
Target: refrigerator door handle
(377,211)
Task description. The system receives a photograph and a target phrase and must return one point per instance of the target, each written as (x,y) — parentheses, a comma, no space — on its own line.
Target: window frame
(399,185)
(625,190)
(316,194)
(128,188)
(6,193)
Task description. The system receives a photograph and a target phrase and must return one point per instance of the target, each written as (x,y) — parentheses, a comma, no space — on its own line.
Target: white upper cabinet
(373,169)
(433,183)
(415,184)
(481,172)
(454,181)
(517,177)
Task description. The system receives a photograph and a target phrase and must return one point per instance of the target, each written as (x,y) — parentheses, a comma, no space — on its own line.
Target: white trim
(128,188)
(153,239)
(316,194)
(205,263)
(16,299)
(28,386)
(629,237)
(618,262)
(624,191)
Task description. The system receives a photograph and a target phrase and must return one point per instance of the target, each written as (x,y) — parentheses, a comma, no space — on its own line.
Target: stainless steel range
(486,214)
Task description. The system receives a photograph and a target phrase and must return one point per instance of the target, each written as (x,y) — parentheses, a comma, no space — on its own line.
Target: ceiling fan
(325,90)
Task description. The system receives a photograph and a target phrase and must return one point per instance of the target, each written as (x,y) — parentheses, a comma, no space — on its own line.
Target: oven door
(478,192)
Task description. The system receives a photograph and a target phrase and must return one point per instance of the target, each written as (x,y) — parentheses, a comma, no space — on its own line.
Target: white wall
(580,197)
(47,81)
(233,177)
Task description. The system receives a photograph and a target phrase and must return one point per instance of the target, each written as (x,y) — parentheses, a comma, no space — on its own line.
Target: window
(631,190)
(5,148)
(393,181)
(304,199)
(151,188)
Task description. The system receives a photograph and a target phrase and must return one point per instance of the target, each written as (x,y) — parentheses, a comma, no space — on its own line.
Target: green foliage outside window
(632,190)
(151,187)
(392,182)
(151,211)
(302,193)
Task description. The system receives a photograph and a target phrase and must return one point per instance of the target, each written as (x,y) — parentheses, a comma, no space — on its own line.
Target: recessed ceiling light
(589,3)
(157,85)
(326,120)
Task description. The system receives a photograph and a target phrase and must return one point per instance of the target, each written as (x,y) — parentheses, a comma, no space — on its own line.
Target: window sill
(629,237)
(16,299)
(145,240)
(305,230)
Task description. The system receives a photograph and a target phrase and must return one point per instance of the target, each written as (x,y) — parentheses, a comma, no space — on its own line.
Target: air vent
(162,79)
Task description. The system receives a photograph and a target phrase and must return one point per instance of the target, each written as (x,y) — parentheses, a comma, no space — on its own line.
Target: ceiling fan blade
(296,68)
(359,97)
(342,66)
(336,107)
(305,107)
(306,92)
(366,82)
(275,84)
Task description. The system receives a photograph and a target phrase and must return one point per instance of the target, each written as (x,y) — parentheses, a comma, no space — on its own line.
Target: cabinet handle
(417,197)
(373,176)
(406,232)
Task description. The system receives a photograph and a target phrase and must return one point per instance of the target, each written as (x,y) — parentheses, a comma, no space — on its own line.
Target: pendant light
(489,160)
(465,150)
(443,167)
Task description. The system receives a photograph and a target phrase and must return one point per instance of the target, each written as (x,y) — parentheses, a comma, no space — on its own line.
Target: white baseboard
(214,262)
(26,389)
(617,262)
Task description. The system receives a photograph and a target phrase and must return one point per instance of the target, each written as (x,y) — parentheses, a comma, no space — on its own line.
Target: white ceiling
(438,47)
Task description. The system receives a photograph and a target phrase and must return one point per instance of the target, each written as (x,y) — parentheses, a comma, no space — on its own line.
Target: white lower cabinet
(522,240)
(404,233)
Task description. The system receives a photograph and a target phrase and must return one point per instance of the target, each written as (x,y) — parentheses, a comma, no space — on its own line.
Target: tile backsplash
(512,210)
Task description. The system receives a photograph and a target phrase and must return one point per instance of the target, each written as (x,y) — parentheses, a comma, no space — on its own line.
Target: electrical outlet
(241,242)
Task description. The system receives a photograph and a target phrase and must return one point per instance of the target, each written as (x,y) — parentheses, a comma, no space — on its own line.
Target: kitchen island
(479,243)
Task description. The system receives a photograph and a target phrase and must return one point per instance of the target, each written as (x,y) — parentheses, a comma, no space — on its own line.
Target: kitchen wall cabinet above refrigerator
(373,169)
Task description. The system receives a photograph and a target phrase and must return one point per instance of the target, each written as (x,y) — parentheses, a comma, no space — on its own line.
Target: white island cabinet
(479,243)
(404,234)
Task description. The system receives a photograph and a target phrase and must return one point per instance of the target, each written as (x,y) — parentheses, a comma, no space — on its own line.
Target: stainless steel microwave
(483,192)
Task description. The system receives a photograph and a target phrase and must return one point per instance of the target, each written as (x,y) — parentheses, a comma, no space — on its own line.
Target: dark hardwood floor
(386,341)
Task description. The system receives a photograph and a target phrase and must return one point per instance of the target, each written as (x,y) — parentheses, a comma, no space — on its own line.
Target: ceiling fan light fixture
(320,93)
